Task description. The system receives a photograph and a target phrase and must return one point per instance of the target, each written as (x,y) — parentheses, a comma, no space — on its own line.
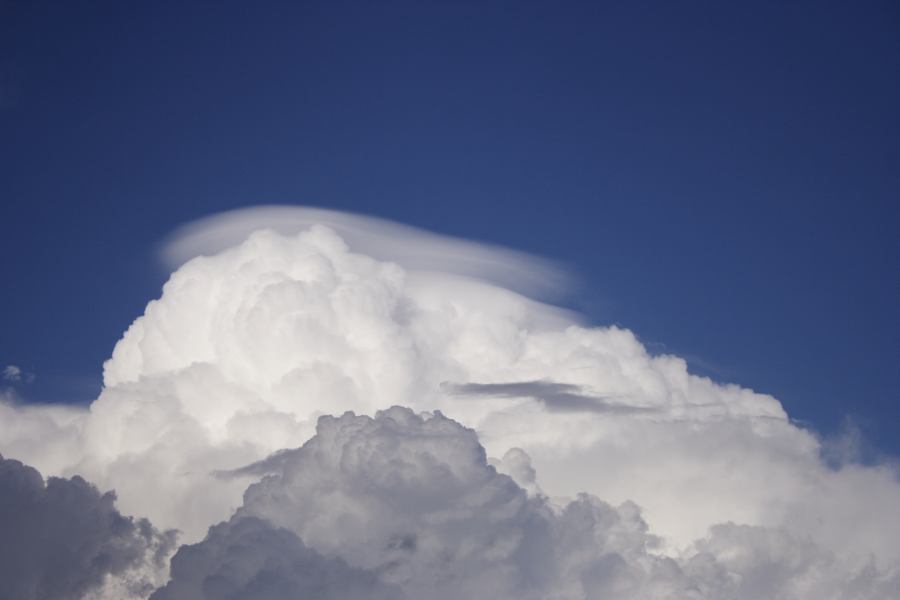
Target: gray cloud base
(63,538)
(249,559)
(407,506)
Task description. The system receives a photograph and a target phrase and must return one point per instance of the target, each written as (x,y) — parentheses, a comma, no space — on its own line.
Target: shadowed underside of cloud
(249,559)
(562,397)
(270,464)
(63,539)
(407,506)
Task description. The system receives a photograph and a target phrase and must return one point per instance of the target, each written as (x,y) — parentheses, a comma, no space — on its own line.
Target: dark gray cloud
(249,559)
(555,396)
(270,464)
(61,538)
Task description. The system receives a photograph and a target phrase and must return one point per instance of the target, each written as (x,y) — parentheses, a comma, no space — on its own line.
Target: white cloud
(409,247)
(15,374)
(246,348)
(12,373)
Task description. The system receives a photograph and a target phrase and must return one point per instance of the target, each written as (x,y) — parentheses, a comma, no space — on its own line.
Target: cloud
(255,470)
(248,558)
(411,504)
(412,248)
(15,374)
(63,538)
(562,397)
(247,347)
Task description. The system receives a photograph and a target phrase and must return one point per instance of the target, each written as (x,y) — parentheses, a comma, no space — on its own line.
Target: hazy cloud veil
(331,406)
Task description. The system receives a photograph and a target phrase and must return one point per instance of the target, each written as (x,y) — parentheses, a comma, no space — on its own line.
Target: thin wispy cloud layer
(15,374)
(535,458)
(563,397)
(410,247)
(12,373)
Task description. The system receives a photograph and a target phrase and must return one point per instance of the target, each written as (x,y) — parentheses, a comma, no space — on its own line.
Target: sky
(705,188)
(722,178)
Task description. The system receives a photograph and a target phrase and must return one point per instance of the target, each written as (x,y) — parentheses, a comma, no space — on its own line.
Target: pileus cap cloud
(410,247)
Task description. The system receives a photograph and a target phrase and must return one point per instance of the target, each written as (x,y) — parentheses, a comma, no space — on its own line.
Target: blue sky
(723,178)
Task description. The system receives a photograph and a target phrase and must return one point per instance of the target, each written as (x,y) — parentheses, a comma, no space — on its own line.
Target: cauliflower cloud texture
(537,457)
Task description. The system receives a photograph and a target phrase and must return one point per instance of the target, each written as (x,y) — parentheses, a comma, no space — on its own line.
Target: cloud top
(412,248)
(536,456)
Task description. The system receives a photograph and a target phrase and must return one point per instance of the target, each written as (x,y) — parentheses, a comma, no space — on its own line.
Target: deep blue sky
(725,178)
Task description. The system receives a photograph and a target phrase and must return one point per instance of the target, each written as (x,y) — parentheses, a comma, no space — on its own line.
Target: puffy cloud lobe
(47,436)
(249,559)
(63,539)
(517,464)
(412,504)
(410,498)
(761,563)
(245,349)
(249,346)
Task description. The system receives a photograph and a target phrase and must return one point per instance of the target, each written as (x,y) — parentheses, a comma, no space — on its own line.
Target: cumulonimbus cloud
(251,343)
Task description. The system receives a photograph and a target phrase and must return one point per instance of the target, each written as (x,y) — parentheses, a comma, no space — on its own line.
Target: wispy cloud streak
(555,396)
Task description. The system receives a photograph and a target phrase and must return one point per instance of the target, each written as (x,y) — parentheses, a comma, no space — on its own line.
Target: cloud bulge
(545,426)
